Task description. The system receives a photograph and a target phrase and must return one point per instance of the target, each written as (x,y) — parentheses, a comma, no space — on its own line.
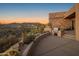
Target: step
(69,36)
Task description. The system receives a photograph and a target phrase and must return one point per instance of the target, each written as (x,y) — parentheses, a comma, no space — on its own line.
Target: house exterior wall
(62,20)
(77,21)
(57,20)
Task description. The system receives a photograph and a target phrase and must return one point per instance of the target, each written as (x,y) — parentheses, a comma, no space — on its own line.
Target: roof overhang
(70,13)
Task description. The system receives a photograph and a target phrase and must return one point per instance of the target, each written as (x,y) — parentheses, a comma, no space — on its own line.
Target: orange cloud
(26,20)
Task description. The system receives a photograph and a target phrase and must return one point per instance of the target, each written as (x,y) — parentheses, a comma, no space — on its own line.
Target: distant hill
(15,25)
(25,20)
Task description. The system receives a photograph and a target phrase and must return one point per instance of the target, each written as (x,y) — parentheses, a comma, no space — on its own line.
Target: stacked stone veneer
(57,20)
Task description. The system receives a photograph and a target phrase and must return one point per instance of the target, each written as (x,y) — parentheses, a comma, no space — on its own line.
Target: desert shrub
(5,44)
(7,39)
(11,52)
(30,37)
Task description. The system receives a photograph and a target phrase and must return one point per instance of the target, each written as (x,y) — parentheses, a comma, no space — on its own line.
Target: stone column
(77,21)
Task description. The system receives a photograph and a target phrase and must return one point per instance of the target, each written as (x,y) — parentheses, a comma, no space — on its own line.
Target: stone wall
(31,47)
(57,20)
(77,21)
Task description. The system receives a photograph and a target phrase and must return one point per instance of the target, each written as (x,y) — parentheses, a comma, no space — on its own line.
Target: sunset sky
(30,12)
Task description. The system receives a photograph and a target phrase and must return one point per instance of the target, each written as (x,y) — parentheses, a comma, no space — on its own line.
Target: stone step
(69,36)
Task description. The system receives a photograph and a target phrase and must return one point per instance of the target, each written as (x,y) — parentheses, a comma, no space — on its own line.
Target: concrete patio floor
(55,46)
